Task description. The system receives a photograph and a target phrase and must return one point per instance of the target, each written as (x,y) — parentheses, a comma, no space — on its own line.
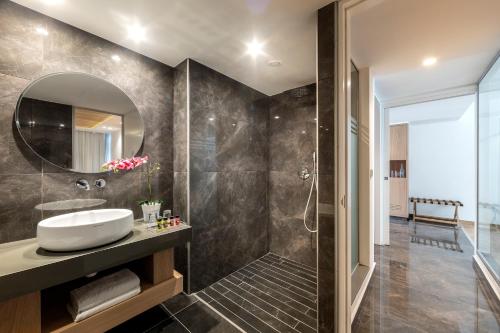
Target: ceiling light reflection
(136,32)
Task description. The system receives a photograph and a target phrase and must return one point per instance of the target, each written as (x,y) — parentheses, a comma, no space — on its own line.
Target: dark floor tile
(285,291)
(237,309)
(143,322)
(298,272)
(295,279)
(275,294)
(290,263)
(170,325)
(199,318)
(179,302)
(285,282)
(224,308)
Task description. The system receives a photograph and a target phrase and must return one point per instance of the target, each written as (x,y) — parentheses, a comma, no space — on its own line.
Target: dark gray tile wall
(228,175)
(292,141)
(181,174)
(326,146)
(25,180)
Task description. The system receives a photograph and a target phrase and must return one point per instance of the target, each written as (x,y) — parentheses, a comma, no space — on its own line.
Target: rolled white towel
(103,293)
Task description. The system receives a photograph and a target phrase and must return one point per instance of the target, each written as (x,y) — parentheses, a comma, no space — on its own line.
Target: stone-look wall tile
(327,38)
(228,126)
(21,48)
(293,135)
(26,56)
(229,219)
(291,145)
(18,217)
(180,117)
(180,195)
(228,175)
(287,200)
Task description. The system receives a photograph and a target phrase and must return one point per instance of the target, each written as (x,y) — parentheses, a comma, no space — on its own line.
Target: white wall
(441,153)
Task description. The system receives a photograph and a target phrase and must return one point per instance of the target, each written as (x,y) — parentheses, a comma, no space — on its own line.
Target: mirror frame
(33,82)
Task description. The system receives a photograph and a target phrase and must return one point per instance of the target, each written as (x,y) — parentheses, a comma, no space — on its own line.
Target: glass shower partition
(488,228)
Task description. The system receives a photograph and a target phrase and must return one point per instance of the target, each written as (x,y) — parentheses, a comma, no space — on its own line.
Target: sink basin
(84,230)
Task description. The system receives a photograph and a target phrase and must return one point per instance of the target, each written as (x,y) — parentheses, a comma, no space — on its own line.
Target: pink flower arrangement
(125,164)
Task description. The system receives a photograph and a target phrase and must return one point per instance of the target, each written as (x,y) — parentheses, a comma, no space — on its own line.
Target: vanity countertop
(25,268)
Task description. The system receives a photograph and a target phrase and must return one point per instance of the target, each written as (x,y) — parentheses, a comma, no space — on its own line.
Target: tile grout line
(287,267)
(306,267)
(264,301)
(222,315)
(288,273)
(288,288)
(244,320)
(255,305)
(182,309)
(265,292)
(308,307)
(277,300)
(296,272)
(293,264)
(173,316)
(291,291)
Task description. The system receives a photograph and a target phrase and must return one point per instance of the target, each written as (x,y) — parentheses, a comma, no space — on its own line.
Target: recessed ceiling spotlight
(429,61)
(136,32)
(53,2)
(255,48)
(274,63)
(116,58)
(42,31)
(276,117)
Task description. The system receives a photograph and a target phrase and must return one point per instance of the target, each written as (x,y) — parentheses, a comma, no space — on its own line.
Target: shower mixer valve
(304,173)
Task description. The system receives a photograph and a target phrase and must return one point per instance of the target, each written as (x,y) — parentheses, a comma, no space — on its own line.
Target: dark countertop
(25,268)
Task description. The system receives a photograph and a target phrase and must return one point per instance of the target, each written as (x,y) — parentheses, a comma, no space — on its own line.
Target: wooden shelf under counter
(45,311)
(58,320)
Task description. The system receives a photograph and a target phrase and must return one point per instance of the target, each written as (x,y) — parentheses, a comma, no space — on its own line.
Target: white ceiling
(394,36)
(440,110)
(213,32)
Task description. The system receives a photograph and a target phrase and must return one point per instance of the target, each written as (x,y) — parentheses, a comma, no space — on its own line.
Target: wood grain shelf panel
(58,320)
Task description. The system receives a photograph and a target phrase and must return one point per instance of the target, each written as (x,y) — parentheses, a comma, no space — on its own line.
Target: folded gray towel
(102,290)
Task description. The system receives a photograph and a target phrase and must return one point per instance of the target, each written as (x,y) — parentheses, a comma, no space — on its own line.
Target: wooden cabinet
(398,169)
(399,142)
(399,197)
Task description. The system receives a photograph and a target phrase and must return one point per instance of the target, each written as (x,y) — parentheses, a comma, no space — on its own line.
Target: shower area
(243,175)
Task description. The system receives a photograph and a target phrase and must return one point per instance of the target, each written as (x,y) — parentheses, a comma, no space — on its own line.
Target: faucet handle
(100,184)
(82,184)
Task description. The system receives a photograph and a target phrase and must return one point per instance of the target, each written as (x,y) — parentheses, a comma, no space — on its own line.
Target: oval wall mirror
(78,122)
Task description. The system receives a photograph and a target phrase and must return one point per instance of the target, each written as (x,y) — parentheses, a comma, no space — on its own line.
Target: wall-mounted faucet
(83,184)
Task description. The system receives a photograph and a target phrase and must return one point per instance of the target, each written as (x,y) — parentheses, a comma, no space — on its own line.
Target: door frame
(343,227)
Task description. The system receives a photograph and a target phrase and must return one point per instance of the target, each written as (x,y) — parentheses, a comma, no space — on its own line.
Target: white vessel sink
(83,230)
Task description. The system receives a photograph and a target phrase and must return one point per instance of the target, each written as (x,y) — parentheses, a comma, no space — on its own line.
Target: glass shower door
(488,229)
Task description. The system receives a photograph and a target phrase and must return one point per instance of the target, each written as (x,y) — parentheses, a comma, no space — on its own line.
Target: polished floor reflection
(426,288)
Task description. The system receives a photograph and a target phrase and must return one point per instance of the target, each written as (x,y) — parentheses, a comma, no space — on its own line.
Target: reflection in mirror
(79,122)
